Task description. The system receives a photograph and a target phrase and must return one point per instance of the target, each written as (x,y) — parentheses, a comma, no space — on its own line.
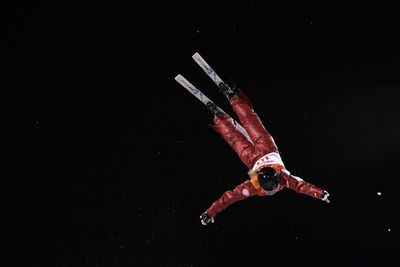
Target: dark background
(121,162)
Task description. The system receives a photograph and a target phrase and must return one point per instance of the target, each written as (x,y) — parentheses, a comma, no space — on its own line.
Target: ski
(204,99)
(192,89)
(210,72)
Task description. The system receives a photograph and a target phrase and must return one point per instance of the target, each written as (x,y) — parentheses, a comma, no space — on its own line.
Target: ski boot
(214,109)
(226,90)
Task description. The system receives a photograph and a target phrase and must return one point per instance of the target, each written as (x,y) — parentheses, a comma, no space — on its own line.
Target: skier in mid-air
(253,144)
(267,171)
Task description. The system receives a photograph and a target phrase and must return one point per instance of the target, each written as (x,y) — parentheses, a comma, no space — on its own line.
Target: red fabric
(262,140)
(249,153)
(286,180)
(301,186)
(231,196)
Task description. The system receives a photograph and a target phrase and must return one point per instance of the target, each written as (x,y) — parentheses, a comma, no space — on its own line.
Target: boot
(226,90)
(214,109)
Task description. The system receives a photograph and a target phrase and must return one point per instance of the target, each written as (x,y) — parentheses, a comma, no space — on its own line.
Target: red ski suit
(259,153)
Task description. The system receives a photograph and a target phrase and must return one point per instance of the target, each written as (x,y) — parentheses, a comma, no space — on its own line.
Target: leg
(262,140)
(225,127)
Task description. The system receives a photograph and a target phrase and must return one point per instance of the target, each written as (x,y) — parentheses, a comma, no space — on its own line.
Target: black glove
(324,196)
(205,219)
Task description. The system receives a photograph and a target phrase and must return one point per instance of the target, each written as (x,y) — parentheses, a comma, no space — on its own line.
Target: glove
(324,196)
(205,219)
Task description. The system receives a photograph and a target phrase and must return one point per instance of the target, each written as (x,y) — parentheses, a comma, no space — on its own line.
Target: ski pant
(263,143)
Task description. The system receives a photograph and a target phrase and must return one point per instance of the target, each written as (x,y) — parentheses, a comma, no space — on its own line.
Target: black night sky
(121,161)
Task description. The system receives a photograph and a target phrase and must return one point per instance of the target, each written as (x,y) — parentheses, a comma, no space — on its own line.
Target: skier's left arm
(242,191)
(300,186)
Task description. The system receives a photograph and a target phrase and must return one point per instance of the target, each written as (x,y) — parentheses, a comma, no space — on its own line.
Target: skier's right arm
(242,191)
(301,186)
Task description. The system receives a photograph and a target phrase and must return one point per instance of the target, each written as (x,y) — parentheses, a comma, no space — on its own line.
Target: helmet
(268,178)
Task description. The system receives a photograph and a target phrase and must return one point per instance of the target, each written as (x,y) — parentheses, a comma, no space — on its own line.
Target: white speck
(388,229)
(379,193)
(310,22)
(245,192)
(197,31)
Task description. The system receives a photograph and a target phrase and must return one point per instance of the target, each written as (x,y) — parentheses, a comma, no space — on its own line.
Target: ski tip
(178,77)
(196,55)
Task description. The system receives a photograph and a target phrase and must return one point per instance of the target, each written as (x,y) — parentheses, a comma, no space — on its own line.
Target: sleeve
(242,191)
(300,186)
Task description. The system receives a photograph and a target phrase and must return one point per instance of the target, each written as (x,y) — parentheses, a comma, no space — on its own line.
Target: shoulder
(247,189)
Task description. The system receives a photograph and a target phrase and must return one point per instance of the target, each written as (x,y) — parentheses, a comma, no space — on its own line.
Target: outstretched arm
(242,191)
(301,186)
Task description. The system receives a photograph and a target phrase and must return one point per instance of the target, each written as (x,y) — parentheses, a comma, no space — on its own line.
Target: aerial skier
(254,146)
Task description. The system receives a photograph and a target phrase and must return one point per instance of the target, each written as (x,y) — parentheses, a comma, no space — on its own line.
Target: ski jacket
(251,187)
(257,149)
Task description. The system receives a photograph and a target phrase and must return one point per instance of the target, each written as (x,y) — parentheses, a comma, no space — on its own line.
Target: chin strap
(269,193)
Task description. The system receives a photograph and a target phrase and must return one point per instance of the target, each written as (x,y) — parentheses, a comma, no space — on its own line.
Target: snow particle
(379,193)
(388,229)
